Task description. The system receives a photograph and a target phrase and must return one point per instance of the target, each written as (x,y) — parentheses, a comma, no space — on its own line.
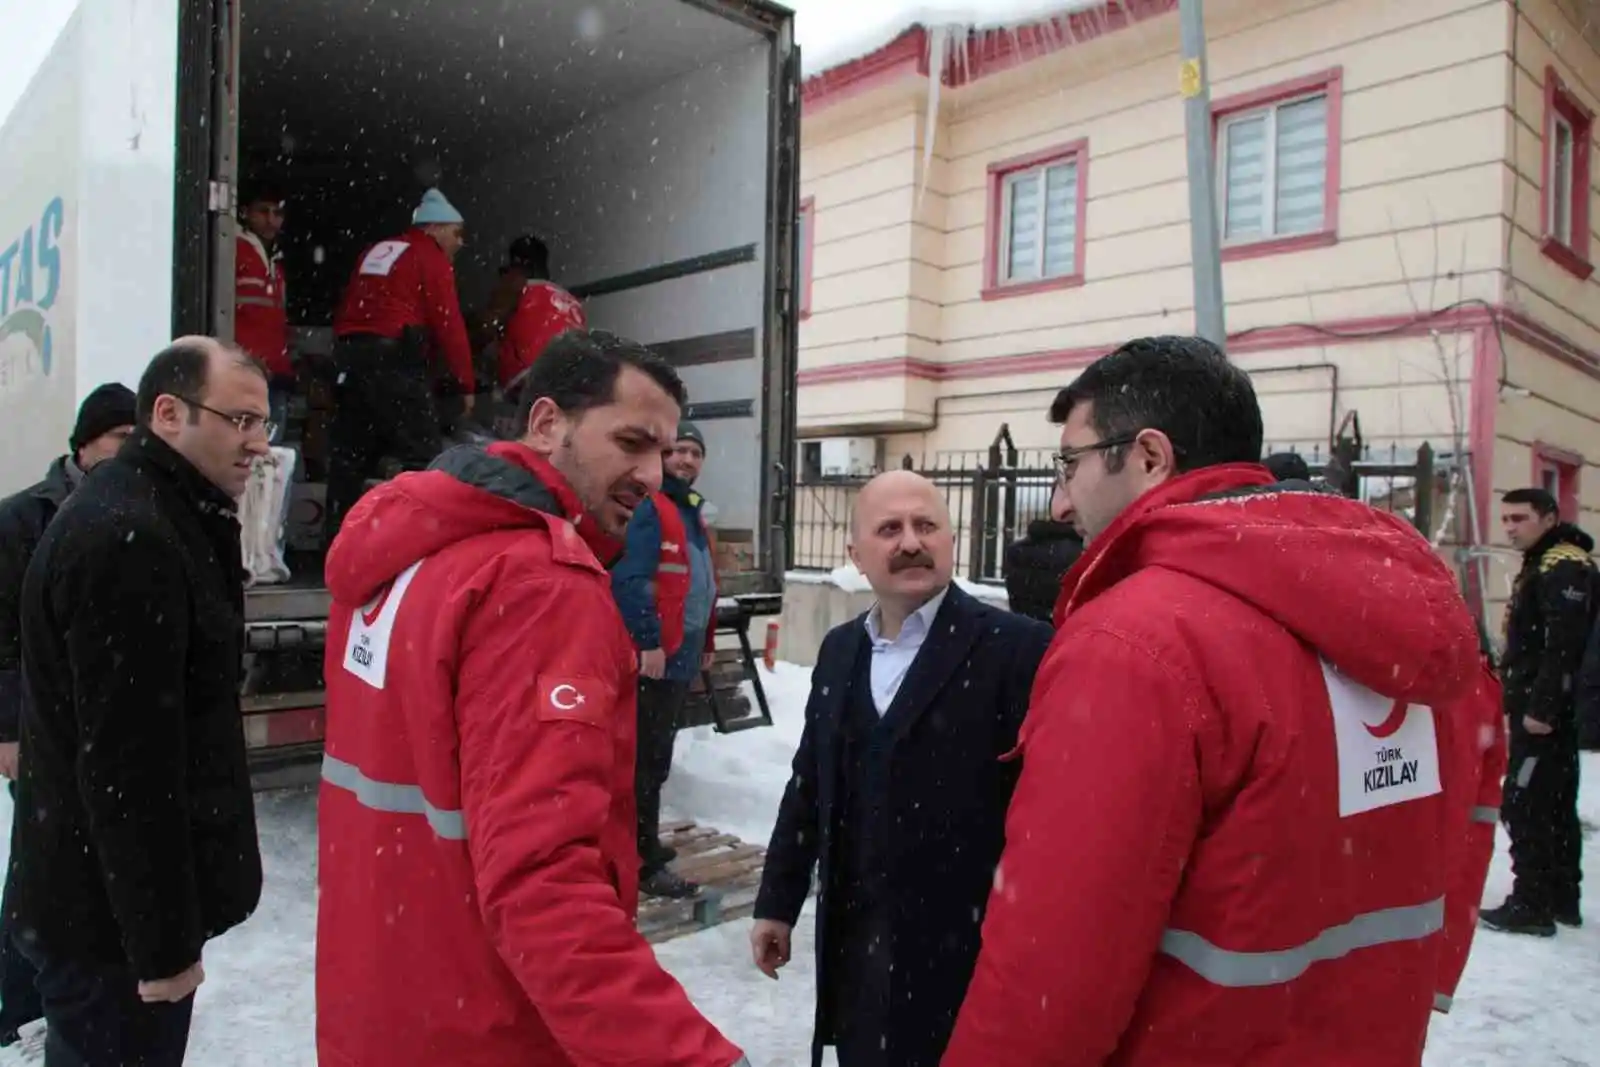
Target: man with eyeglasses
(1257,791)
(135,838)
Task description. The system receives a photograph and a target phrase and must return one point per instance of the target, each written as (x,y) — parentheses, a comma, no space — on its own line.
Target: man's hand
(8,759)
(769,945)
(172,990)
(1535,727)
(653,663)
(707,659)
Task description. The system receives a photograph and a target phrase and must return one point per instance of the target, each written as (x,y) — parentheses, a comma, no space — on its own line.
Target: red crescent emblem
(370,615)
(1388,727)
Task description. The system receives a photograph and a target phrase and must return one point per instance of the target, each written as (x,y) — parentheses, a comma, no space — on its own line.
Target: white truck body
(653,144)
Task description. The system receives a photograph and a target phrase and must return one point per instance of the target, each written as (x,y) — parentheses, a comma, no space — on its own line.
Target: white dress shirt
(892,659)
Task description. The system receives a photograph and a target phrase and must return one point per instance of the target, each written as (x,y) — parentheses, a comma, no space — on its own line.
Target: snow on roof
(832,32)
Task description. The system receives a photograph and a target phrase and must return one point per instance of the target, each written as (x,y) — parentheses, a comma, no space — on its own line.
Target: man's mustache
(906,561)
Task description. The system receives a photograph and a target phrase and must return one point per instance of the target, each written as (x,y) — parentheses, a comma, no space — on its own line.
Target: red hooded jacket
(404,282)
(1248,766)
(478,871)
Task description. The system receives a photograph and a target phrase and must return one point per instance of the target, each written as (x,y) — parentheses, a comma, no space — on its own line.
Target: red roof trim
(982,55)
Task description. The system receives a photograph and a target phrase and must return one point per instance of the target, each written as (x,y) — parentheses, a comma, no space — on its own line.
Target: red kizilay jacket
(405,282)
(478,871)
(261,317)
(1248,768)
(544,312)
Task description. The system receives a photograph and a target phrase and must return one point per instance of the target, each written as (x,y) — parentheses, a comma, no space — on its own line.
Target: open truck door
(696,253)
(207,168)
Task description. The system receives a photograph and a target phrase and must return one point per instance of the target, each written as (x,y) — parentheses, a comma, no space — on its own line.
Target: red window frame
(994,226)
(1562,105)
(1329,83)
(808,243)
(1564,467)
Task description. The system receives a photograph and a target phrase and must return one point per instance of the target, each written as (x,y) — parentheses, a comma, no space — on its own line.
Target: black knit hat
(110,406)
(688,431)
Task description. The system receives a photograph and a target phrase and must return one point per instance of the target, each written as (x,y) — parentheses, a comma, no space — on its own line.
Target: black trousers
(1540,810)
(19,996)
(383,409)
(660,712)
(96,1019)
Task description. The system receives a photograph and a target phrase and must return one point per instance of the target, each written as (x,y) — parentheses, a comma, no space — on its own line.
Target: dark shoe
(1569,916)
(1514,917)
(669,885)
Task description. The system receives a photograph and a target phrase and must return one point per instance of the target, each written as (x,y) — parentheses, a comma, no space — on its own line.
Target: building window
(1557,470)
(1035,223)
(806,235)
(1278,166)
(1564,193)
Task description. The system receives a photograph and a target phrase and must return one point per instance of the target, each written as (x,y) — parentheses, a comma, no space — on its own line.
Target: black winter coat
(1034,566)
(1547,629)
(956,714)
(135,835)
(23,517)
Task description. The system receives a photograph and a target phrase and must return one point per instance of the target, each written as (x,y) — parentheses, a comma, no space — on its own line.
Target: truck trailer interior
(639,140)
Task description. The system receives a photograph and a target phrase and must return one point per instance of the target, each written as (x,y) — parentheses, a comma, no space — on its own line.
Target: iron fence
(993,494)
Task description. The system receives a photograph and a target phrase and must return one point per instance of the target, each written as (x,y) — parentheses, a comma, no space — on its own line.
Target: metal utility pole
(1205,238)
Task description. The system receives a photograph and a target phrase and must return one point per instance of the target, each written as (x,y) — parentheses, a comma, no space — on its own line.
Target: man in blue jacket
(666,588)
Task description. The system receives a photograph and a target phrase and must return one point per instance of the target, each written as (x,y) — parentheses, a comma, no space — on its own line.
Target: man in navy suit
(900,789)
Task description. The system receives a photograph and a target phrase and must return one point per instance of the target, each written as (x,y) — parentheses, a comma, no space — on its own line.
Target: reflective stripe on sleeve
(393,797)
(1485,814)
(255,301)
(673,568)
(1240,970)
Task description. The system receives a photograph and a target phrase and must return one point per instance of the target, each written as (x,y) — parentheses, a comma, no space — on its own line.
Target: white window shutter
(1022,258)
(1061,220)
(1302,167)
(1245,177)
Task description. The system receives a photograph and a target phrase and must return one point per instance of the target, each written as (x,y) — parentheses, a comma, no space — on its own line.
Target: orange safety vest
(673,574)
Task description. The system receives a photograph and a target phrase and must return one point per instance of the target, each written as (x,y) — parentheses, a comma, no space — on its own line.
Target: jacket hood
(1361,587)
(468,490)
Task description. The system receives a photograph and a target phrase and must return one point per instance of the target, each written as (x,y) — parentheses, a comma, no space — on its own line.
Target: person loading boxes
(400,318)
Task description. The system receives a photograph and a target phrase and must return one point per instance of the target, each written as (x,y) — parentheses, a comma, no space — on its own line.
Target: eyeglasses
(1067,459)
(247,424)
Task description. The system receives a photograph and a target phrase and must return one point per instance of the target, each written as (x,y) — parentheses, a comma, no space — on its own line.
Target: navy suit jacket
(954,721)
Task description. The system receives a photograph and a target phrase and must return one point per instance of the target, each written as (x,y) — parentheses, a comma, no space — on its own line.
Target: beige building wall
(1421,142)
(1435,308)
(1547,411)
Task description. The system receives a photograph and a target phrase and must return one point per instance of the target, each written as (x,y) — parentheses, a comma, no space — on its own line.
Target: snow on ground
(1523,1001)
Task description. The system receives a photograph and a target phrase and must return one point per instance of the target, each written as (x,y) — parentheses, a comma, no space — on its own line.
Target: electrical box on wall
(840,457)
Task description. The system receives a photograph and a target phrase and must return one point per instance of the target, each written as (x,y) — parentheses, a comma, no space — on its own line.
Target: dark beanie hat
(688,431)
(108,407)
(1287,467)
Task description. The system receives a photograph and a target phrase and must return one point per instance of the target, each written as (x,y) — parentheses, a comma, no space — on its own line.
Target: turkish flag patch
(575,698)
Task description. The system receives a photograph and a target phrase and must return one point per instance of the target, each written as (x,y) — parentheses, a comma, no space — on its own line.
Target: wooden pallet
(729,873)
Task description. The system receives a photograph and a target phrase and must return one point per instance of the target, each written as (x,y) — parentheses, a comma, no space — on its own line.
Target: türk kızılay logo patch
(30,283)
